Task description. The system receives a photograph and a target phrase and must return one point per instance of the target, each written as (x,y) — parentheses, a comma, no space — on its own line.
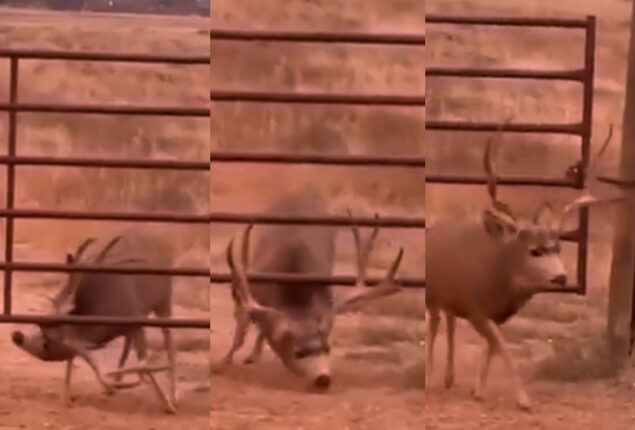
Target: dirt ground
(558,341)
(579,400)
(378,377)
(30,390)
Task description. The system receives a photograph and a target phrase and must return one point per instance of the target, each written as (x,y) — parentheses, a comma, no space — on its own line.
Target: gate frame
(316,158)
(11,160)
(583,129)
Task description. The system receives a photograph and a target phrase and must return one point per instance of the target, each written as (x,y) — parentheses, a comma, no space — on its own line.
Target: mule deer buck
(296,320)
(114,295)
(485,271)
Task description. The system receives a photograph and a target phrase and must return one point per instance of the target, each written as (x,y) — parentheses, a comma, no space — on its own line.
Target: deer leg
(141,350)
(449,368)
(431,334)
(171,350)
(66,394)
(256,353)
(240,333)
(124,356)
(496,344)
(108,389)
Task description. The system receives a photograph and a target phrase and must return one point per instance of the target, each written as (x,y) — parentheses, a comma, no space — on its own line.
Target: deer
(296,320)
(114,295)
(485,270)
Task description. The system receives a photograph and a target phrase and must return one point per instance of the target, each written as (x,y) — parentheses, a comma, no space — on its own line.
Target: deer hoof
(524,404)
(170,409)
(477,394)
(449,380)
(249,360)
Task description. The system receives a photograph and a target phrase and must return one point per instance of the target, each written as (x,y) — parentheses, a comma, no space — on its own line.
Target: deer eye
(536,252)
(302,353)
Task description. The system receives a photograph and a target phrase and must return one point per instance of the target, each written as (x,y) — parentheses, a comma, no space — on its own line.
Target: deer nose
(560,280)
(322,382)
(17,337)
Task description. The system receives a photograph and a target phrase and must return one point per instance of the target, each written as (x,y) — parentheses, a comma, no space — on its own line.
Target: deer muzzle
(317,370)
(37,346)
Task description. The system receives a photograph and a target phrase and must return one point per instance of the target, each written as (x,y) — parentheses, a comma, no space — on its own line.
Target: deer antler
(362,252)
(588,199)
(360,293)
(492,180)
(82,248)
(240,290)
(65,293)
(108,247)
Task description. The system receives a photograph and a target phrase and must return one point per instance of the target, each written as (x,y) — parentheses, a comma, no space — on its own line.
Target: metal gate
(414,161)
(11,160)
(583,75)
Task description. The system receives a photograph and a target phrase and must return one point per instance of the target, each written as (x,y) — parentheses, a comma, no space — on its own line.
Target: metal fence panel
(11,160)
(417,101)
(583,129)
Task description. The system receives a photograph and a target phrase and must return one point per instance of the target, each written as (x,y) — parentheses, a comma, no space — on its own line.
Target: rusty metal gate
(583,75)
(414,161)
(11,160)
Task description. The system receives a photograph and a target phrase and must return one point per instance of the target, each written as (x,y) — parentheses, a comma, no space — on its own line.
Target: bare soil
(372,389)
(30,390)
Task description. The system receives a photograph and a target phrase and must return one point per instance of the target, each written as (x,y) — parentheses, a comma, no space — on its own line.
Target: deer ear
(544,216)
(498,225)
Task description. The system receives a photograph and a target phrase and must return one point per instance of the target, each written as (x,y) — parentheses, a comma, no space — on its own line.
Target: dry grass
(543,155)
(109,136)
(325,129)
(578,359)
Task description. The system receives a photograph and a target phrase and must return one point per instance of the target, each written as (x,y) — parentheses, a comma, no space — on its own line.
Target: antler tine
(363,252)
(588,199)
(602,150)
(395,265)
(492,180)
(240,292)
(369,244)
(245,247)
(358,246)
(585,201)
(107,248)
(81,248)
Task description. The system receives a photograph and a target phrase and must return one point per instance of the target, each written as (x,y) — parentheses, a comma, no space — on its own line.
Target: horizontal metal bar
(336,220)
(506,21)
(289,278)
(622,183)
(567,75)
(311,98)
(171,217)
(344,160)
(575,129)
(85,320)
(573,289)
(512,181)
(39,160)
(571,235)
(105,109)
(318,37)
(35,54)
(23,266)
